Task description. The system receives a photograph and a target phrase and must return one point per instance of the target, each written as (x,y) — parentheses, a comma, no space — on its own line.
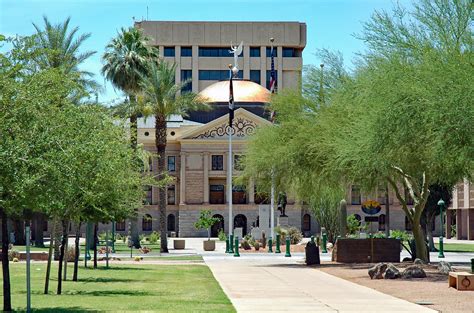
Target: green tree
(161,94)
(125,62)
(206,221)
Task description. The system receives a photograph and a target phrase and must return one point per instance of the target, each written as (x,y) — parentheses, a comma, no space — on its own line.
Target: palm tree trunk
(160,140)
(7,298)
(61,256)
(77,251)
(134,142)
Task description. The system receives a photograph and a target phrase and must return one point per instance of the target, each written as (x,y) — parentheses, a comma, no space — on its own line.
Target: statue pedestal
(282,221)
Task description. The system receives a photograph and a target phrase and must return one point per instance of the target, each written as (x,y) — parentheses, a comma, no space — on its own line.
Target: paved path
(280,284)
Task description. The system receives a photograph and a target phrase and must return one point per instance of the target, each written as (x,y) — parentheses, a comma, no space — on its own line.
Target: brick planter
(366,250)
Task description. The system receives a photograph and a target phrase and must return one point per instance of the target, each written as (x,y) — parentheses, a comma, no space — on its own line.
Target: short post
(107,248)
(277,249)
(231,243)
(325,240)
(236,247)
(472,265)
(441,245)
(28,279)
(287,254)
(270,245)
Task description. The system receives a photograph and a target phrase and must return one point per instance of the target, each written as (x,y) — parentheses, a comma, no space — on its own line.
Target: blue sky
(330,23)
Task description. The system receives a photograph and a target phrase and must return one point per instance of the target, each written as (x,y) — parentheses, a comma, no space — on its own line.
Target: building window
(289,52)
(255,76)
(187,76)
(306,222)
(407,224)
(269,73)
(120,226)
(254,52)
(169,52)
(216,74)
(381,222)
(238,162)
(355,195)
(269,52)
(186,51)
(215,52)
(146,222)
(171,163)
(171,222)
(149,195)
(239,196)
(217,162)
(216,194)
(171,195)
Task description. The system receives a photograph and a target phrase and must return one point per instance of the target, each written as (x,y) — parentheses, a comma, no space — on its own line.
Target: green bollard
(236,247)
(472,266)
(270,245)
(231,243)
(287,254)
(325,239)
(277,250)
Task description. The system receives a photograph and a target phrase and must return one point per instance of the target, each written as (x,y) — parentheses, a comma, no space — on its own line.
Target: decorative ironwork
(241,128)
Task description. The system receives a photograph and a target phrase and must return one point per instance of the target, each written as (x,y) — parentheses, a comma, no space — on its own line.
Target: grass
(157,288)
(457,247)
(120,247)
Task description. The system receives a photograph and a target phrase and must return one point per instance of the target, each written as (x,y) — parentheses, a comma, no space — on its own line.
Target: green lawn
(457,247)
(165,288)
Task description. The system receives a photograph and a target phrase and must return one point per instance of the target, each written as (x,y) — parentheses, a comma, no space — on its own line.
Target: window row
(216,74)
(217,162)
(171,164)
(225,52)
(170,195)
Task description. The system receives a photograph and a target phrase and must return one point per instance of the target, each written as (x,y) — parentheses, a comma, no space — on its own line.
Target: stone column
(206,177)
(459,223)
(263,66)
(177,61)
(251,191)
(195,69)
(182,182)
(246,61)
(279,67)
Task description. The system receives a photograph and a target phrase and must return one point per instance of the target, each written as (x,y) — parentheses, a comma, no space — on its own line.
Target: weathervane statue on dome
(236,51)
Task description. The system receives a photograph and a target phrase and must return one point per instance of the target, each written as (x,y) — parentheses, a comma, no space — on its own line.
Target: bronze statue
(282,204)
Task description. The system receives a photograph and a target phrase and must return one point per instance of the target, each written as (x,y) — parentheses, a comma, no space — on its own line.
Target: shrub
(13,254)
(222,236)
(295,235)
(353,224)
(145,250)
(379,234)
(245,245)
(118,237)
(154,237)
(101,235)
(142,238)
(256,245)
(137,259)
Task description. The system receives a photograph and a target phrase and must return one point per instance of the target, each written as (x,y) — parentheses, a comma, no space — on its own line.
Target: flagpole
(272,191)
(229,163)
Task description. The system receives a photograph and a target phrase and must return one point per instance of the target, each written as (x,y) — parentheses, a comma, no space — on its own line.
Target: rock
(392,272)
(419,261)
(377,271)
(414,271)
(444,267)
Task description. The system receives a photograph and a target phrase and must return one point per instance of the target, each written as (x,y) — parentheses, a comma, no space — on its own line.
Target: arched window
(171,222)
(407,224)
(146,222)
(306,222)
(382,222)
(120,226)
(240,221)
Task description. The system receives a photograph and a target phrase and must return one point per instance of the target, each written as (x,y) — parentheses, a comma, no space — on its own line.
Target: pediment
(245,124)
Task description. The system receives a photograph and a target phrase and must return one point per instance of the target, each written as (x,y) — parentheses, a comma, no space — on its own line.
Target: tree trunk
(57,238)
(66,248)
(77,251)
(421,249)
(96,226)
(133,140)
(39,238)
(160,140)
(61,256)
(50,258)
(387,213)
(7,299)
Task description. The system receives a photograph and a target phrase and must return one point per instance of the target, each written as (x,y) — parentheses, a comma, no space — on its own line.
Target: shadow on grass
(74,309)
(116,268)
(105,293)
(105,280)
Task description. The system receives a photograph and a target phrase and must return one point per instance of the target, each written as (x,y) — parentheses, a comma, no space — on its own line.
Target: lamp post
(441,205)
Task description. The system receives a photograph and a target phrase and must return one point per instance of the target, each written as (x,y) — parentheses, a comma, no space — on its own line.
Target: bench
(461,280)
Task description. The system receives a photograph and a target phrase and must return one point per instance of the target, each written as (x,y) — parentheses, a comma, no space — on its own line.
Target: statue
(282,204)
(236,51)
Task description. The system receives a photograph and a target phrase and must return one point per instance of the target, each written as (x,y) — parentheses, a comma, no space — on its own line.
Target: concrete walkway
(279,284)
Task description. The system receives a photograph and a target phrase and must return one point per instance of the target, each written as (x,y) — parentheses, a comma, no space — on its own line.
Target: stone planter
(209,245)
(179,244)
(371,250)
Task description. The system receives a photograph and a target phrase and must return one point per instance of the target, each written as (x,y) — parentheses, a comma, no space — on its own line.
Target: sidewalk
(280,284)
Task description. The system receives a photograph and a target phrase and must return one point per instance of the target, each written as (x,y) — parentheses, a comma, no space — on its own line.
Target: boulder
(419,261)
(444,267)
(377,271)
(414,271)
(392,272)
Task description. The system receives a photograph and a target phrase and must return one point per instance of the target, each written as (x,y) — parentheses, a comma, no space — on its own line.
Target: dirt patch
(432,289)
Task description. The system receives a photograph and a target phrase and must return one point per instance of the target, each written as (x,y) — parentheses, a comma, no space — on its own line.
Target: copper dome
(244,91)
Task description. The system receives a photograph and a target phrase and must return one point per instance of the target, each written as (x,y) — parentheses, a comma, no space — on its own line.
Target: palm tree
(161,93)
(59,48)
(125,61)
